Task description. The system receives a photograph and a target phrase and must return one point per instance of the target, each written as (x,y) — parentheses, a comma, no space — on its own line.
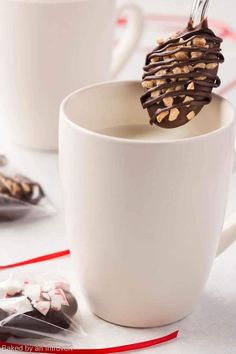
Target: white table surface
(211,328)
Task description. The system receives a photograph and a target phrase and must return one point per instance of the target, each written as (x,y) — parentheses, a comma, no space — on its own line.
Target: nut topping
(160,41)
(176,70)
(201,78)
(188,99)
(181,56)
(211,66)
(185,69)
(162,115)
(168,101)
(174,112)
(191,115)
(155,94)
(196,55)
(155,60)
(199,42)
(200,66)
(160,82)
(147,84)
(191,86)
(180,74)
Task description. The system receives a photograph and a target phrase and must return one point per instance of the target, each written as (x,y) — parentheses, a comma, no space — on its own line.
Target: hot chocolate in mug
(144,206)
(49,48)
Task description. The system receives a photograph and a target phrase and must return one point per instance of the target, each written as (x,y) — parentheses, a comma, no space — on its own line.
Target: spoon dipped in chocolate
(180,73)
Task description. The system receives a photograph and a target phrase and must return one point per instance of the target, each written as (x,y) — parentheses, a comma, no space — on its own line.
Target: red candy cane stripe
(120,349)
(44,258)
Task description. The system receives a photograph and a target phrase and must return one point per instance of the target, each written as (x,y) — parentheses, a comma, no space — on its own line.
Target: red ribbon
(44,258)
(120,349)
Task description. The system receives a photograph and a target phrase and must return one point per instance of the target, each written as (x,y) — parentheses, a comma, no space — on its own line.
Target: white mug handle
(130,38)
(229,230)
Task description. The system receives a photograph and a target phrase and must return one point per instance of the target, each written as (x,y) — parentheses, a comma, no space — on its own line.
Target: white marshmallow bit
(55,285)
(23,306)
(56,302)
(62,285)
(48,287)
(32,291)
(18,305)
(60,293)
(42,306)
(8,306)
(46,296)
(12,287)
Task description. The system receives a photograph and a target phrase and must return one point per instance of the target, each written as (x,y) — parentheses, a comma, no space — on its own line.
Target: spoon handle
(199,11)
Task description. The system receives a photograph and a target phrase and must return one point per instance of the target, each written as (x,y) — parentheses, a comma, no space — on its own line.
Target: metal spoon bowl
(199,11)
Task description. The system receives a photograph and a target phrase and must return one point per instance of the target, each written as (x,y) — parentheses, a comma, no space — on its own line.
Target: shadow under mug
(144,206)
(50,48)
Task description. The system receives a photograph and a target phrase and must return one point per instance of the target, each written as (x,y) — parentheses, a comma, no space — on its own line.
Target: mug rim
(115,139)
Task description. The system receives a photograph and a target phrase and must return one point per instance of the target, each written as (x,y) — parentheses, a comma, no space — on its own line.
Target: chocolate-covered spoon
(180,73)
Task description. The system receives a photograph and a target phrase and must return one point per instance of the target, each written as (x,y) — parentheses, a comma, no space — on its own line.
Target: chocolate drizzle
(179,76)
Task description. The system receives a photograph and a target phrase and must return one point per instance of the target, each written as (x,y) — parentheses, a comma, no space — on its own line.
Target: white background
(211,329)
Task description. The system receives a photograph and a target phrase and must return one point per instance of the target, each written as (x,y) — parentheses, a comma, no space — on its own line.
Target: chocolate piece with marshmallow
(33,310)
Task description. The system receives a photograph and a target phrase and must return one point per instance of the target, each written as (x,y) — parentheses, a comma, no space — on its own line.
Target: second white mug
(49,48)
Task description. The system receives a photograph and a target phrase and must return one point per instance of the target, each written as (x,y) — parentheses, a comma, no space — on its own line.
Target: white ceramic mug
(144,208)
(49,48)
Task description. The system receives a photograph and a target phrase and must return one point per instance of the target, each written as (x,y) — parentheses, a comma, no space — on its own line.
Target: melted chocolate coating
(183,69)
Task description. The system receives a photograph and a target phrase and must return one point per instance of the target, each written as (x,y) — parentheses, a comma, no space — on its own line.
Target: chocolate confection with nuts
(15,194)
(180,74)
